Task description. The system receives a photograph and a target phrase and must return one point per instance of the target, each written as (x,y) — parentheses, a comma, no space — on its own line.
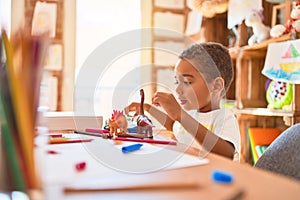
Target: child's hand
(135,107)
(168,102)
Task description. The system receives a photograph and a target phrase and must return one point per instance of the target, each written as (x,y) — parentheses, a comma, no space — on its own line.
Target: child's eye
(187,82)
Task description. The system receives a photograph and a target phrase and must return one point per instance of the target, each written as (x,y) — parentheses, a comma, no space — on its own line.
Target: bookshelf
(169,20)
(52,78)
(251,105)
(250,93)
(58,81)
(250,96)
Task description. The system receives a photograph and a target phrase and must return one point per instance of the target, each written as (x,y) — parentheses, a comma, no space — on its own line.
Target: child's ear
(218,84)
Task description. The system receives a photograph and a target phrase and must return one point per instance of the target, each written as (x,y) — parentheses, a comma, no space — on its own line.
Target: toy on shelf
(209,8)
(144,124)
(292,24)
(279,95)
(118,123)
(261,32)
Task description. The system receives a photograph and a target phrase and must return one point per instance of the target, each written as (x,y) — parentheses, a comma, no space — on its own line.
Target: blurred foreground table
(56,164)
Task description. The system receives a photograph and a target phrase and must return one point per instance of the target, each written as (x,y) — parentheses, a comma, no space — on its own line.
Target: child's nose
(179,89)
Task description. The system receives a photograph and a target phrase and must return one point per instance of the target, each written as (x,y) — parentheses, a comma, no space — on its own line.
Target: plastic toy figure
(144,124)
(117,123)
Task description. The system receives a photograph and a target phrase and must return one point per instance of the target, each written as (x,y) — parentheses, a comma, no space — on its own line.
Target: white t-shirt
(221,122)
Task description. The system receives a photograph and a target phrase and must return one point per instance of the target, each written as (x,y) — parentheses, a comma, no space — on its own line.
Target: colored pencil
(103,135)
(66,141)
(12,159)
(146,140)
(21,105)
(96,130)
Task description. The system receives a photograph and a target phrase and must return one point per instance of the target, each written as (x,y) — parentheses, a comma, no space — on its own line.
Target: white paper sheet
(283,62)
(60,168)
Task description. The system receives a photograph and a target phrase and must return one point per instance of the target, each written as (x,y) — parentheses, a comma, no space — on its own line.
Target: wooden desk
(255,183)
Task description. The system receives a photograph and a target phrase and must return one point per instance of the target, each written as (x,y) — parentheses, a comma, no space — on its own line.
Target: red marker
(80,166)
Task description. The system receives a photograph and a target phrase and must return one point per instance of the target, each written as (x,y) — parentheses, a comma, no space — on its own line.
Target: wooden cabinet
(59,16)
(169,38)
(250,92)
(49,15)
(251,105)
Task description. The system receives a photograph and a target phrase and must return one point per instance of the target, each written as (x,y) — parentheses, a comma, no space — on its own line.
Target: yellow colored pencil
(25,123)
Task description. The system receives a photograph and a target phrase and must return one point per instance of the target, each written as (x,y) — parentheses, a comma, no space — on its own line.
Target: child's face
(192,89)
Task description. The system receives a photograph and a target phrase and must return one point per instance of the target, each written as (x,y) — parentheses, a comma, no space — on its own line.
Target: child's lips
(182,102)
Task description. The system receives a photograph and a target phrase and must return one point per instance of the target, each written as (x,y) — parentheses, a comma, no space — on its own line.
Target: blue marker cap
(222,177)
(131,148)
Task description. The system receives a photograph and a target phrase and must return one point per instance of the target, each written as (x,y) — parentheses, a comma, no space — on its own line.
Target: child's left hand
(168,102)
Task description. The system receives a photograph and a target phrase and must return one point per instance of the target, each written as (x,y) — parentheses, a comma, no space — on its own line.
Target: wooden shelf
(250,95)
(162,37)
(234,51)
(264,44)
(263,112)
(180,11)
(158,38)
(257,50)
(163,66)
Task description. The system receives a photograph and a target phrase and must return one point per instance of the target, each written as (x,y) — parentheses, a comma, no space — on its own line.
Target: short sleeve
(226,127)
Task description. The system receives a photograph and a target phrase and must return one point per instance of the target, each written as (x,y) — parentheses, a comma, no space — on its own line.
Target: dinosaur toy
(118,123)
(144,124)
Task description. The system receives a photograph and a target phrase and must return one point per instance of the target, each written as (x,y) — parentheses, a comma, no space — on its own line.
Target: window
(5,15)
(96,22)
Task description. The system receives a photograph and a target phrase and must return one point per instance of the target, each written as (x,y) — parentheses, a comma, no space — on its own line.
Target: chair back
(283,154)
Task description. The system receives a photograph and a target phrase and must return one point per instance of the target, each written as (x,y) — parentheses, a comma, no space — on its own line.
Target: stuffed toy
(209,8)
(292,24)
(279,94)
(261,32)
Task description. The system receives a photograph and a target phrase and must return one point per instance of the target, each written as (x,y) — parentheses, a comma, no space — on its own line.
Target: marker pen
(131,148)
(222,177)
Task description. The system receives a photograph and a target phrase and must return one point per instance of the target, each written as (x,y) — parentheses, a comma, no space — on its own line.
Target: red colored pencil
(146,140)
(96,130)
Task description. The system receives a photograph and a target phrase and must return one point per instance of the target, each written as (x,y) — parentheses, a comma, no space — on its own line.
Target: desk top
(251,182)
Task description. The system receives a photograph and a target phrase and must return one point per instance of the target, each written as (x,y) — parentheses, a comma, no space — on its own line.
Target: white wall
(5,15)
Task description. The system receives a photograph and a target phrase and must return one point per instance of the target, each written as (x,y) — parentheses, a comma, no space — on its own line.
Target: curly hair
(212,60)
